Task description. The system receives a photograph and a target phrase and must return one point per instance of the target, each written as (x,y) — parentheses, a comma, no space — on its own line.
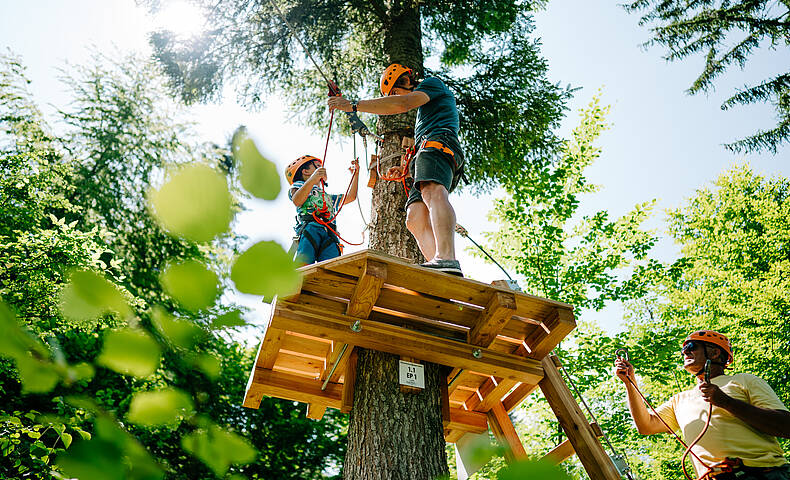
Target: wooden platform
(492,337)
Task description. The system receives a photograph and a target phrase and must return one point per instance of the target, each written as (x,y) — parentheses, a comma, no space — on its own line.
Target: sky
(662,144)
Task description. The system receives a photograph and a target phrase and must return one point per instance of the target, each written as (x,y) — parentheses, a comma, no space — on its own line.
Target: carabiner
(621,353)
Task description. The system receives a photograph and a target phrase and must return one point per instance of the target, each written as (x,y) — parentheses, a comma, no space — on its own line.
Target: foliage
(91,335)
(577,262)
(728,33)
(484,51)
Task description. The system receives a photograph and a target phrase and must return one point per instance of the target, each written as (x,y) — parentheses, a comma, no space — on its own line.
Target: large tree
(727,33)
(508,110)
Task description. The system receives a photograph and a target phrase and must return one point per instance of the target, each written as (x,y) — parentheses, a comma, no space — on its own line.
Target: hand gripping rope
(725,466)
(362,130)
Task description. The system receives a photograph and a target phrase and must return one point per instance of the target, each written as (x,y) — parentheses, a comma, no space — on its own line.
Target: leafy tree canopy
(727,33)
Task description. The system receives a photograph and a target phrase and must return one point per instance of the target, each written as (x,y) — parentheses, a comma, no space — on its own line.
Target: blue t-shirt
(440,114)
(314,202)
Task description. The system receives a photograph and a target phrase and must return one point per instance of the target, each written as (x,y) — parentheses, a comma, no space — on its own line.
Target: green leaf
(182,333)
(194,204)
(208,364)
(66,439)
(15,341)
(160,407)
(191,283)
(258,175)
(80,372)
(37,376)
(266,269)
(131,352)
(218,448)
(541,470)
(230,319)
(89,295)
(93,460)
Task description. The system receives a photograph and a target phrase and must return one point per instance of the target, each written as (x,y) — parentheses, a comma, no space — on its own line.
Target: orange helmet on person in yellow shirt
(293,167)
(713,337)
(390,76)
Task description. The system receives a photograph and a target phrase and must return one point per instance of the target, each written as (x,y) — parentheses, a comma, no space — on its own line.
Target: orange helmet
(391,75)
(293,167)
(715,338)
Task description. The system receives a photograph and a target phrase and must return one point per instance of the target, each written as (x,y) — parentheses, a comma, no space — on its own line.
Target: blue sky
(662,144)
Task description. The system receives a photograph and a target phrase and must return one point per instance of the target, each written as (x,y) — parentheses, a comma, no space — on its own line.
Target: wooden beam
(316,411)
(565,450)
(349,381)
(518,395)
(560,323)
(493,319)
(505,433)
(466,421)
(452,436)
(444,398)
(398,341)
(293,387)
(494,395)
(367,290)
(581,436)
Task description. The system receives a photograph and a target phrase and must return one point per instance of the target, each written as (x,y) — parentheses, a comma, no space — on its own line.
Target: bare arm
(352,192)
(647,422)
(770,421)
(301,195)
(391,105)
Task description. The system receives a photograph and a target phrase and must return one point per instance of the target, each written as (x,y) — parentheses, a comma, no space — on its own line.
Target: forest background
(74,188)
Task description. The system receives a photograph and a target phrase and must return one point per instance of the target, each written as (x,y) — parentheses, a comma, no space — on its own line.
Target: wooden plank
(466,421)
(518,395)
(444,398)
(305,346)
(403,342)
(499,309)
(541,343)
(565,450)
(505,433)
(293,387)
(349,382)
(299,365)
(596,462)
(316,411)
(367,289)
(560,453)
(493,391)
(452,436)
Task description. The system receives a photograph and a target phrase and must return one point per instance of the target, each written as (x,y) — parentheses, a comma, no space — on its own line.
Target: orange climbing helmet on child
(293,168)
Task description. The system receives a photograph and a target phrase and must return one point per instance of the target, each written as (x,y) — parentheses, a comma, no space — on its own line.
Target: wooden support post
(349,380)
(581,436)
(315,411)
(505,433)
(565,450)
(541,343)
(500,308)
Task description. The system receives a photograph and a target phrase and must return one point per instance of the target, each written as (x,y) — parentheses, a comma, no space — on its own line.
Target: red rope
(677,437)
(398,178)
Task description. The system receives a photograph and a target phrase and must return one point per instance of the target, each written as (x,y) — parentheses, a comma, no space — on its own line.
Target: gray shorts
(433,165)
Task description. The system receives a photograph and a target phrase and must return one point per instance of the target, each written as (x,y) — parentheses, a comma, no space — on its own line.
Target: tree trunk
(394,435)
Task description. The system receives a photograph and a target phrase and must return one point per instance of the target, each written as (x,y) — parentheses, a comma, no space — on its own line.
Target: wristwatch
(354,106)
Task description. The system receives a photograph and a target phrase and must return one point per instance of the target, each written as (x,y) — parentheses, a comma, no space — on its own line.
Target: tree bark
(394,435)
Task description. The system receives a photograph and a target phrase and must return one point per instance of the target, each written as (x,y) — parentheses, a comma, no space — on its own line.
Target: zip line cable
(465,233)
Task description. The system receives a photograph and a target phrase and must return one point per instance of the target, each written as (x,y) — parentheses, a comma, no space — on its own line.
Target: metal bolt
(477,353)
(356,326)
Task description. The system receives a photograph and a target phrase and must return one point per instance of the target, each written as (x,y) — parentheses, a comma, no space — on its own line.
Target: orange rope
(404,174)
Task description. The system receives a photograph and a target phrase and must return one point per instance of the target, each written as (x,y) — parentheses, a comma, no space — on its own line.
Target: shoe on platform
(447,266)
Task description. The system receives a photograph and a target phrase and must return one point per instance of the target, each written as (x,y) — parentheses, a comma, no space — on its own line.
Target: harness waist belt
(437,145)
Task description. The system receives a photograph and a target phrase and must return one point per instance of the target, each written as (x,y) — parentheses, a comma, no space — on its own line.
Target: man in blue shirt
(438,165)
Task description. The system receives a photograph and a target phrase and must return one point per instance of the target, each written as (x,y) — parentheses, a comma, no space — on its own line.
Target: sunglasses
(691,345)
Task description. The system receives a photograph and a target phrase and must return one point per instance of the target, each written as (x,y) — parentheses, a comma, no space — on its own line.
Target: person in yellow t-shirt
(747,414)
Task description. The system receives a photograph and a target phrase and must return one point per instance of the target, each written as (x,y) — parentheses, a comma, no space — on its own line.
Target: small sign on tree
(411,374)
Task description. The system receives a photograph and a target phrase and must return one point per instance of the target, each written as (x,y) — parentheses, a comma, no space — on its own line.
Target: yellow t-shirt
(727,436)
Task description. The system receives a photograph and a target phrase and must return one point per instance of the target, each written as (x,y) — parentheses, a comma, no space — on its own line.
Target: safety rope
(677,437)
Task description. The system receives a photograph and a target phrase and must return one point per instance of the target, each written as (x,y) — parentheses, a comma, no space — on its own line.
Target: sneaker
(447,266)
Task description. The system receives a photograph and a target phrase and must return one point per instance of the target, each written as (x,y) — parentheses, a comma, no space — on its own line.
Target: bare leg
(418,221)
(442,219)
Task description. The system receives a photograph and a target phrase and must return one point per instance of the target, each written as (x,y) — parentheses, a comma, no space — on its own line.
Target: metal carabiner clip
(621,353)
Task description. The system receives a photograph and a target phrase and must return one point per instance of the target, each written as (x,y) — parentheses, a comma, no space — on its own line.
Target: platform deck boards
(493,337)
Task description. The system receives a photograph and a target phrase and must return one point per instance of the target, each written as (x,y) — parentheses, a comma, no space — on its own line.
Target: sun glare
(180,17)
